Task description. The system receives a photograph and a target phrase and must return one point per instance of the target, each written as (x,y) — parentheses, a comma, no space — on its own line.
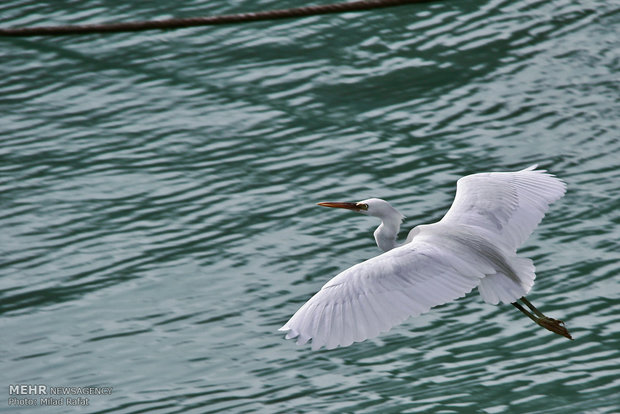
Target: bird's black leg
(525,311)
(554,325)
(532,307)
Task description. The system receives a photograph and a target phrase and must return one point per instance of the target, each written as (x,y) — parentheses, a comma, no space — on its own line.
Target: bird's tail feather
(498,287)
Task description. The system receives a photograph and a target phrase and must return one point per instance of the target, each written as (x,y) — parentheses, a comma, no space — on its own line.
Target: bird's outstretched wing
(506,206)
(381,292)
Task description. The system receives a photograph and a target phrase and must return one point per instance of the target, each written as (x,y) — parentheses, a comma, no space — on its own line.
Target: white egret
(473,245)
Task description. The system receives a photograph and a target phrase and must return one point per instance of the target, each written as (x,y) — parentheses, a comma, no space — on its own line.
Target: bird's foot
(554,325)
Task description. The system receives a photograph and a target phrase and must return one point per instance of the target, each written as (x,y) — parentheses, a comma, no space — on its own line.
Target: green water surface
(157,203)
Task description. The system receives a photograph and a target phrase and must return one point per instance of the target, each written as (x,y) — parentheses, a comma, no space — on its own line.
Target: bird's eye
(362,206)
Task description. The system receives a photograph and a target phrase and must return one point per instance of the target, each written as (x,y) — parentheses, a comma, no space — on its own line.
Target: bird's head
(372,207)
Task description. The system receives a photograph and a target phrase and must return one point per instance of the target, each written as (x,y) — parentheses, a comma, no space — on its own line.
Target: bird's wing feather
(504,206)
(381,292)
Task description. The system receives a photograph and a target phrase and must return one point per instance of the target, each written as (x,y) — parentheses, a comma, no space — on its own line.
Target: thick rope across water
(204,21)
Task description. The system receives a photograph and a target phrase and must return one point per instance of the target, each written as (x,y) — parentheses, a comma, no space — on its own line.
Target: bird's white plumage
(473,245)
(379,293)
(505,206)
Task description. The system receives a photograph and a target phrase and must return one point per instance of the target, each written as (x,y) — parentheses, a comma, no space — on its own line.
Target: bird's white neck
(387,232)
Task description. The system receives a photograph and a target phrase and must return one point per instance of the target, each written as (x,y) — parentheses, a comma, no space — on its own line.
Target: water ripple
(159,189)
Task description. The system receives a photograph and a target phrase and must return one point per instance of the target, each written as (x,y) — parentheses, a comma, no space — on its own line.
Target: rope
(353,6)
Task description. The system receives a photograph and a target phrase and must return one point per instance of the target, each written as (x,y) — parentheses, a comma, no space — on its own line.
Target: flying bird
(473,245)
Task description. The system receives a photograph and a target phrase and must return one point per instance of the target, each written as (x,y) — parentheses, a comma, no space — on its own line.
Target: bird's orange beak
(348,206)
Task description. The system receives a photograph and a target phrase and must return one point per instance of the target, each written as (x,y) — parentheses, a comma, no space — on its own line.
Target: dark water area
(158,190)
